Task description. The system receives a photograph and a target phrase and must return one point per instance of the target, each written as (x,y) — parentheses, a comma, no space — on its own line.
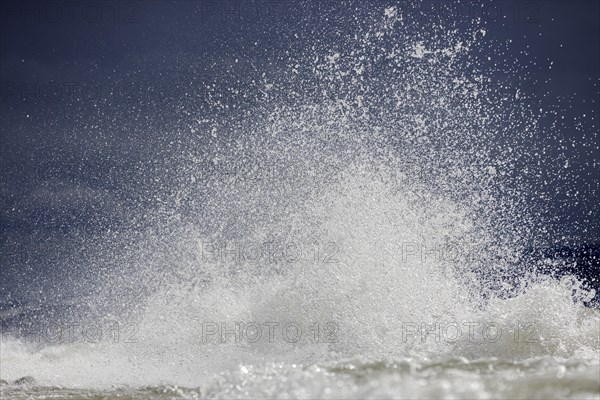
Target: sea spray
(362,206)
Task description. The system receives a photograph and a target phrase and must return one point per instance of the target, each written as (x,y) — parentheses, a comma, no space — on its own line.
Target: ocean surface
(352,220)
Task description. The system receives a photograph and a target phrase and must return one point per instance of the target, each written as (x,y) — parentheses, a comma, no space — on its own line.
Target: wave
(364,201)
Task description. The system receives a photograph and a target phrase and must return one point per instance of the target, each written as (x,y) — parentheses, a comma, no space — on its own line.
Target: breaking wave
(361,204)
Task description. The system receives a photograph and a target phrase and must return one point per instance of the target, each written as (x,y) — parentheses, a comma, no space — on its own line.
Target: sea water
(348,224)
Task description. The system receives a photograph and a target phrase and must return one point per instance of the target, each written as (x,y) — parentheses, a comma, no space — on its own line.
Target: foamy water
(353,231)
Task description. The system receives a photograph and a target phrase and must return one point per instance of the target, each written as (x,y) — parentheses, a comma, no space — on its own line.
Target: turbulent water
(350,220)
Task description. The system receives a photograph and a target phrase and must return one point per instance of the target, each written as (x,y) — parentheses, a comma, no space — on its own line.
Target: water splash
(372,183)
